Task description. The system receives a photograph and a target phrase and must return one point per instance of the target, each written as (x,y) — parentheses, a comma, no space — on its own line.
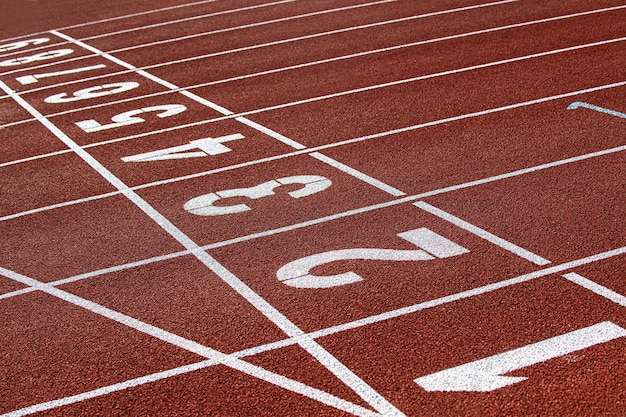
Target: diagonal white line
(596,288)
(189,345)
(490,237)
(287,342)
(344,374)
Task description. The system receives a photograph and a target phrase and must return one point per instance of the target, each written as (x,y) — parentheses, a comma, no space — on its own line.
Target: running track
(313,208)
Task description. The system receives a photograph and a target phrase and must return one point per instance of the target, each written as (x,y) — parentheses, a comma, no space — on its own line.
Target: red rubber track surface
(313,208)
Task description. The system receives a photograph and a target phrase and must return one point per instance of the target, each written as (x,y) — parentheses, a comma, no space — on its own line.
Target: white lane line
(111,19)
(357,174)
(280,42)
(186,344)
(325,219)
(255,25)
(303,65)
(58,205)
(367,393)
(287,342)
(596,288)
(212,32)
(498,241)
(389,132)
(155,25)
(469,293)
(281,138)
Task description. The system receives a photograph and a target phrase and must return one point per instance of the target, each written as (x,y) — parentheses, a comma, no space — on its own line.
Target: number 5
(129,117)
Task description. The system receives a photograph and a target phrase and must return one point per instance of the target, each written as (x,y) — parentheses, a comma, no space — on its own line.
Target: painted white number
(37,57)
(22,44)
(31,79)
(206,146)
(297,273)
(203,205)
(130,117)
(93,92)
(486,374)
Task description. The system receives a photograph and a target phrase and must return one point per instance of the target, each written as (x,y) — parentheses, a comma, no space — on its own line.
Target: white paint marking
(127,16)
(487,374)
(189,345)
(206,147)
(298,273)
(289,40)
(31,79)
(498,241)
(469,293)
(596,288)
(343,373)
(203,205)
(130,117)
(93,92)
(357,174)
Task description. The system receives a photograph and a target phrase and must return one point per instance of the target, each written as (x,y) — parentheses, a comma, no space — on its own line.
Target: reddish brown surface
(113,252)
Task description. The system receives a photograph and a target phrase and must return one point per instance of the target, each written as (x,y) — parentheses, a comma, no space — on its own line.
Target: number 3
(93,92)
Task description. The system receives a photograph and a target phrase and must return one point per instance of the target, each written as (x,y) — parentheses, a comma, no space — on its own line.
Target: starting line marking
(191,346)
(498,241)
(287,342)
(338,369)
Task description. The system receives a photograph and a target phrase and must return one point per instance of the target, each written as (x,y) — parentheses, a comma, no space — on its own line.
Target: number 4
(206,146)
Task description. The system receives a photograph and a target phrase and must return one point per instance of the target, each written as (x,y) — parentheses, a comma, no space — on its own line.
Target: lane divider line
(111,19)
(596,288)
(343,373)
(213,355)
(424,42)
(491,238)
(291,341)
(281,138)
(157,43)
